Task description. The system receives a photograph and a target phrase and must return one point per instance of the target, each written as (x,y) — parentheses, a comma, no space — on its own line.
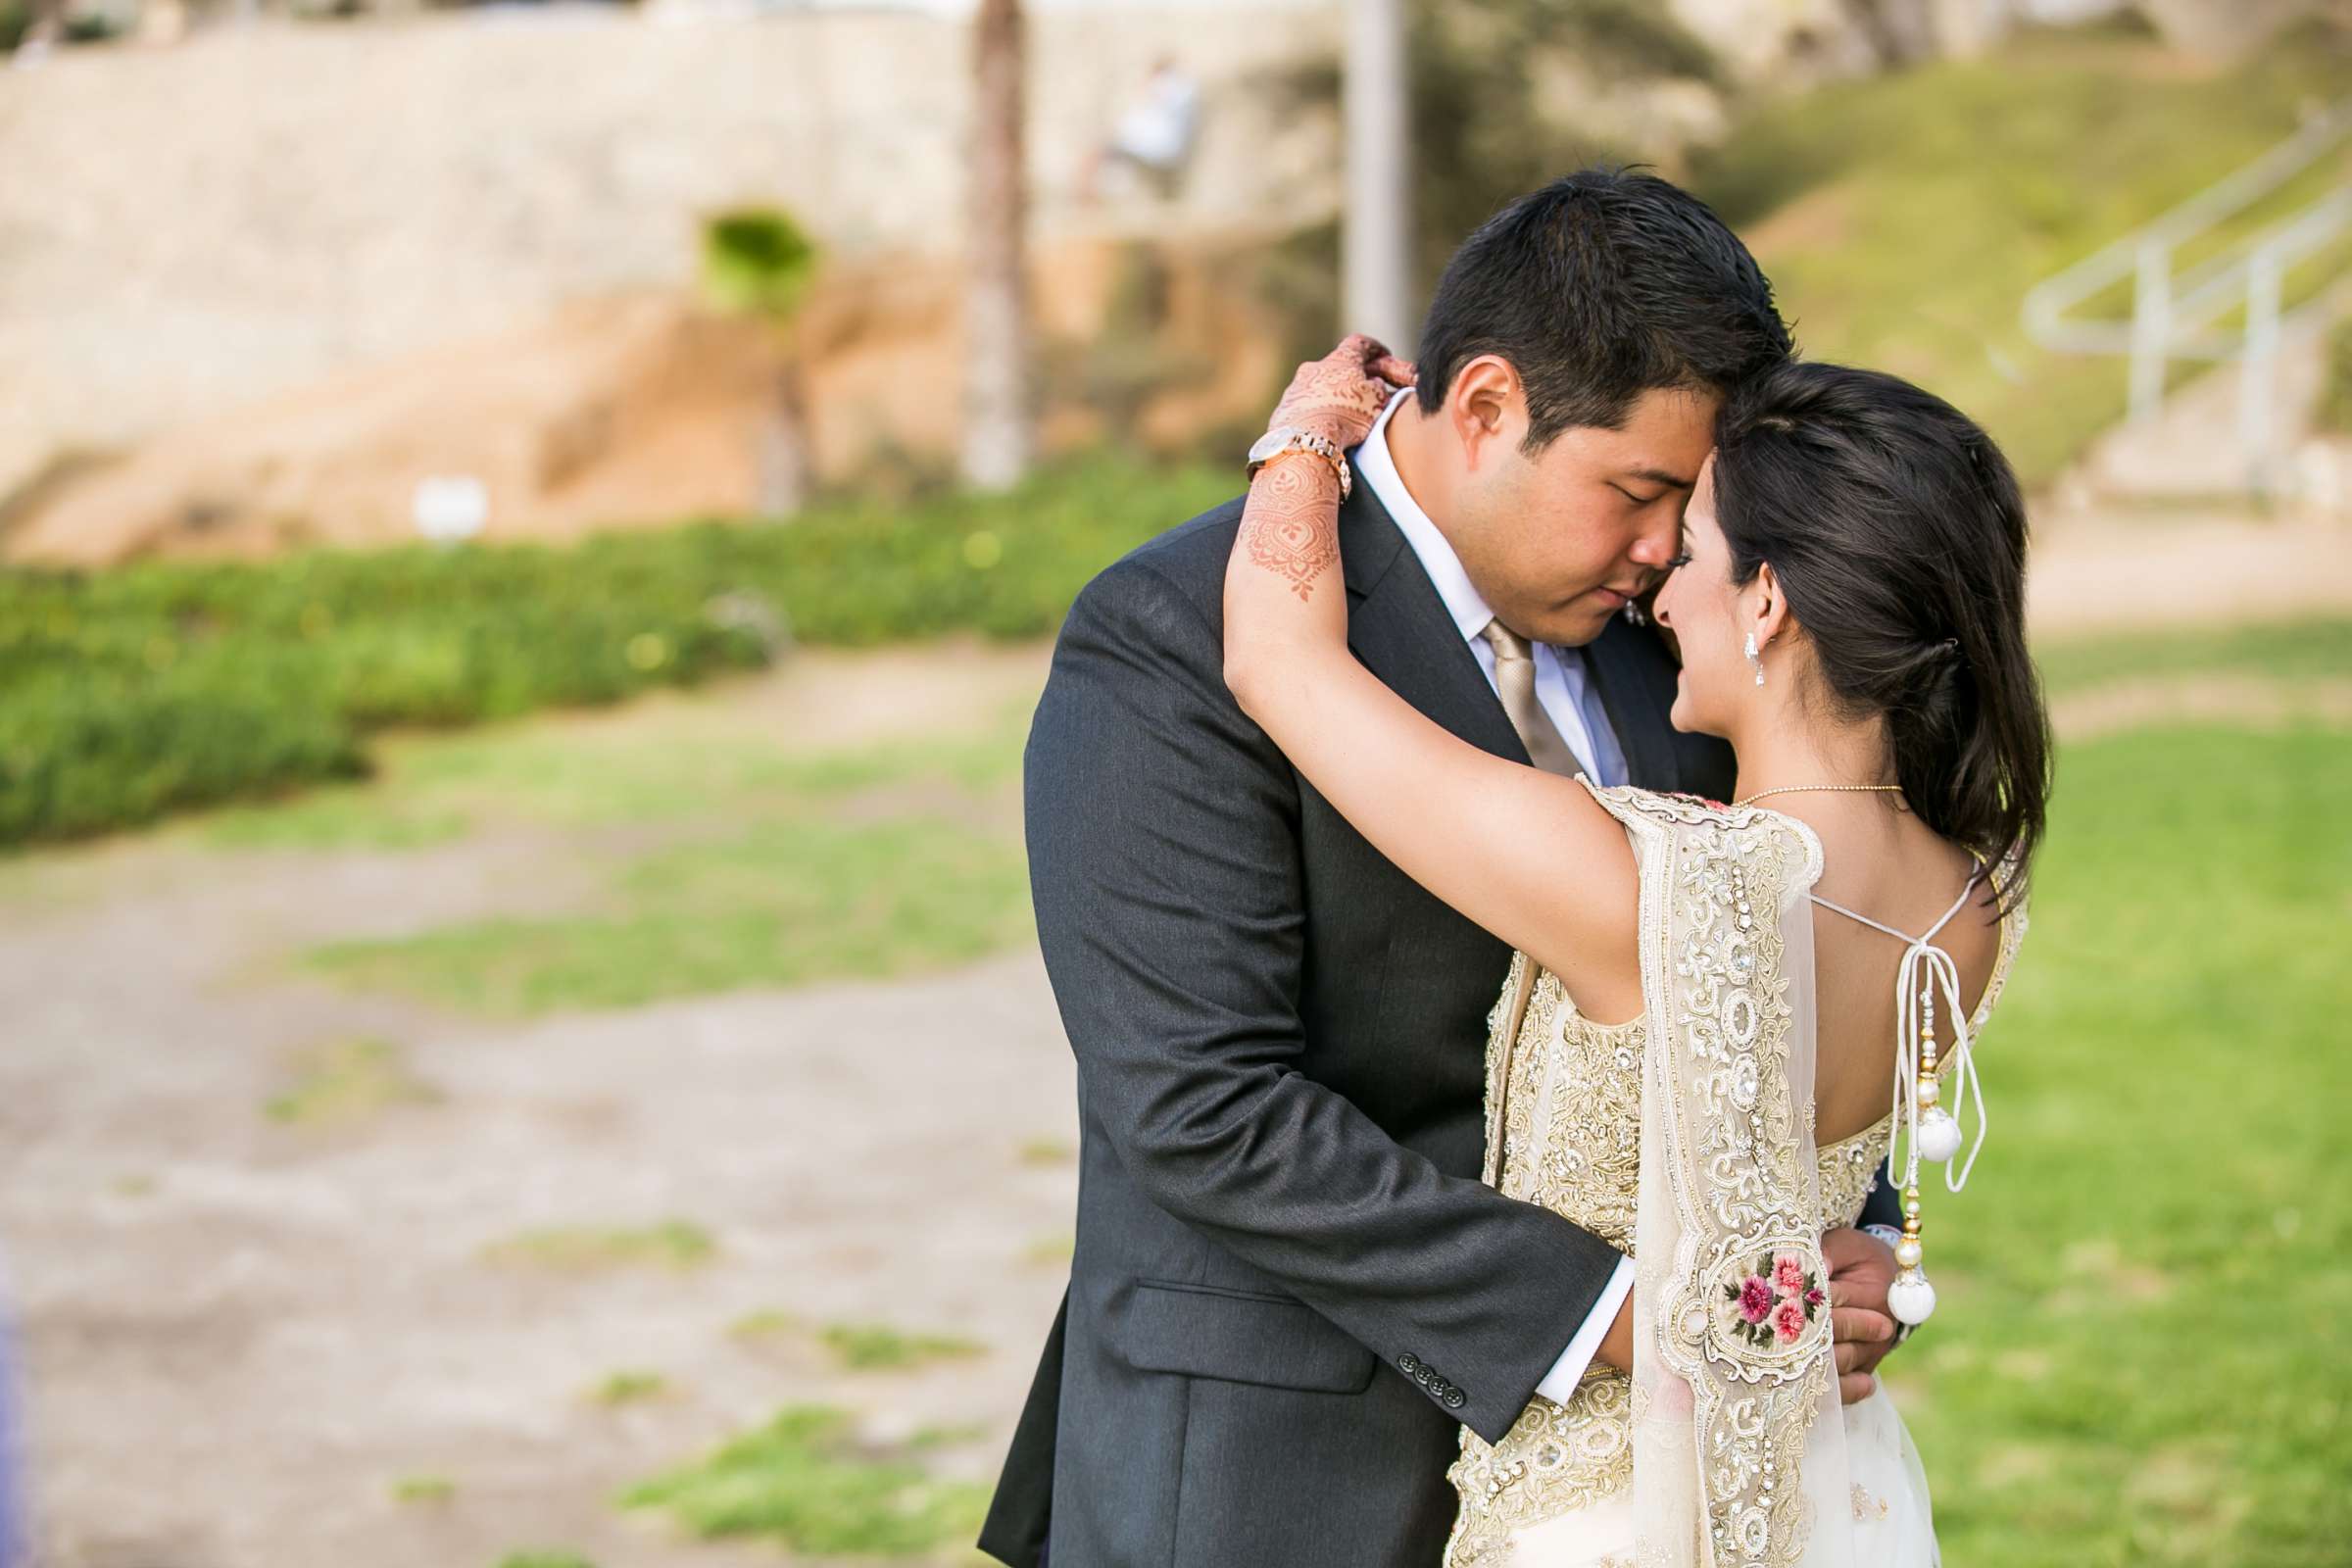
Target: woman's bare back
(1897,872)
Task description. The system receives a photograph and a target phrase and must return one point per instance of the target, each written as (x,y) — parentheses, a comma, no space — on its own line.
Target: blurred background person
(1153,137)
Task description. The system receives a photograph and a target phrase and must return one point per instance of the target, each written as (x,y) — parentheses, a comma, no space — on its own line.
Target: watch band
(1295,439)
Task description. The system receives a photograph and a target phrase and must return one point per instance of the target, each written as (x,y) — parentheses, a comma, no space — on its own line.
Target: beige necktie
(1515,683)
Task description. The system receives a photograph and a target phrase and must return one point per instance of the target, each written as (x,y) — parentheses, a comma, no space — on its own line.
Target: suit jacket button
(1455,1399)
(1410,1361)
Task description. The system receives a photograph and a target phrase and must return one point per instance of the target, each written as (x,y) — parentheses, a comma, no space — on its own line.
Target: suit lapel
(1398,627)
(1636,680)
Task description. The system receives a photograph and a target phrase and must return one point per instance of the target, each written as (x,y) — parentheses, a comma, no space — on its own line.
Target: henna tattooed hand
(1290,524)
(1340,395)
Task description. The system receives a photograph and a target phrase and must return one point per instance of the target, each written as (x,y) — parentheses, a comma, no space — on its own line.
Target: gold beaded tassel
(1908,1252)
(1911,1299)
(1938,1132)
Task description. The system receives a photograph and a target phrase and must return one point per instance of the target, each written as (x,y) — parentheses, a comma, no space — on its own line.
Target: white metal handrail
(2207,292)
(2048,302)
(2173,316)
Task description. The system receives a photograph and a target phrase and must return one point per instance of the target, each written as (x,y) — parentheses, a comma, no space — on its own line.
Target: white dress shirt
(1564,686)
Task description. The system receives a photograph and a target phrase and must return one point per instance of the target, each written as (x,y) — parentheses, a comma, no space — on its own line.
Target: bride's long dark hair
(1898,532)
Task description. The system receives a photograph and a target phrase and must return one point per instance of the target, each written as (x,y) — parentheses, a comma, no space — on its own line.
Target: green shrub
(125,695)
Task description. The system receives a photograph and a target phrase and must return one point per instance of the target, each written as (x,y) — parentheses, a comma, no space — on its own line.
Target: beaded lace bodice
(1564,1130)
(1580,1083)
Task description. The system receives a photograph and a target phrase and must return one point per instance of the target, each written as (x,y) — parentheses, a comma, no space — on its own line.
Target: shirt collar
(1373,463)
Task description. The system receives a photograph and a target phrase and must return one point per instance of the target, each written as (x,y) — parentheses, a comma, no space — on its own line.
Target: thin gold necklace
(1824,789)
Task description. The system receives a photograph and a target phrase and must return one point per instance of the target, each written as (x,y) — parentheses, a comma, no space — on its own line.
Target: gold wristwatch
(1296,438)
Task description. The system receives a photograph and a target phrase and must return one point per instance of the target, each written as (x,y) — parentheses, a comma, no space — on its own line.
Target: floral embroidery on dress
(1780,1295)
(1867,1508)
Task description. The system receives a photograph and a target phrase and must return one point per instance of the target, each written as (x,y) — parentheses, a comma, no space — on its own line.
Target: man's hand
(1861,1267)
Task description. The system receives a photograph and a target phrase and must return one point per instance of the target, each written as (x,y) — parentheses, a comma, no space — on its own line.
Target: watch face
(1267,445)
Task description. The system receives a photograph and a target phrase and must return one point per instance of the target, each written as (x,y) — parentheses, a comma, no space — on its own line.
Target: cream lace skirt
(1893,1524)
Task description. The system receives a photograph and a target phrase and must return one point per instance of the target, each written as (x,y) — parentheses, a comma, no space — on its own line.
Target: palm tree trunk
(784,462)
(997,434)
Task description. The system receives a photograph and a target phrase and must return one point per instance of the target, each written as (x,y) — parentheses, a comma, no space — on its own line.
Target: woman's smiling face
(1708,616)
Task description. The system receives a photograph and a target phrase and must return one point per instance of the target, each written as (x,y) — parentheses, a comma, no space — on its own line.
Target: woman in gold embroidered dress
(1720,1017)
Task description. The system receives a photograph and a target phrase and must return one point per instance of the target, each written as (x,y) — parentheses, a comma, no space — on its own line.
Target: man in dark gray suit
(1290,1287)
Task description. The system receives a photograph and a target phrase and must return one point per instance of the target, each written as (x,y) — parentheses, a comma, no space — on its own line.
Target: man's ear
(1486,408)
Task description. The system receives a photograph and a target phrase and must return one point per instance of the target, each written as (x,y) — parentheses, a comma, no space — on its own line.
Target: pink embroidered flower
(1813,1297)
(1789,1321)
(1755,1298)
(1789,1274)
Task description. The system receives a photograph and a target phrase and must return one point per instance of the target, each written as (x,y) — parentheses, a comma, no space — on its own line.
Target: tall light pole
(1376,229)
(997,434)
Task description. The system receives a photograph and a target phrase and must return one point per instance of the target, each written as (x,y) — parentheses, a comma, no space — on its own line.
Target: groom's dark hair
(1597,288)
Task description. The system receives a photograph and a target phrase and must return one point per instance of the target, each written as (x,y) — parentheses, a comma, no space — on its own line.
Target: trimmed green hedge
(130,693)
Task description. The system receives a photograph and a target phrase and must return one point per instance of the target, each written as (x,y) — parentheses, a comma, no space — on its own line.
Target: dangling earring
(1634,615)
(1755,658)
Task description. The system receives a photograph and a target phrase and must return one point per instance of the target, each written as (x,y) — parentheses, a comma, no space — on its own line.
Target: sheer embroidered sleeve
(1734,1462)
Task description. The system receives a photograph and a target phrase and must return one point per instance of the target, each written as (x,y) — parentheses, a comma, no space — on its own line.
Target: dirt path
(2120,571)
(241,1334)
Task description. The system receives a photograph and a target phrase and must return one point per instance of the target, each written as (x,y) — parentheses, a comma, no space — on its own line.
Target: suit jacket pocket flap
(1206,1333)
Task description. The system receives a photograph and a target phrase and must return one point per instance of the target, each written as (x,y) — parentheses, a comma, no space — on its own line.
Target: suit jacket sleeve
(1162,830)
(1884,1205)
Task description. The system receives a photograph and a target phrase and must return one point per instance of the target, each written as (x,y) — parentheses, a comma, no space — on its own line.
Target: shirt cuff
(1559,1384)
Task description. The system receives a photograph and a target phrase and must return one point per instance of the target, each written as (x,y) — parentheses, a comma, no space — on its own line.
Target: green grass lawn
(1902,219)
(785,901)
(2142,1354)
(2288,651)
(808,1482)
(760,865)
